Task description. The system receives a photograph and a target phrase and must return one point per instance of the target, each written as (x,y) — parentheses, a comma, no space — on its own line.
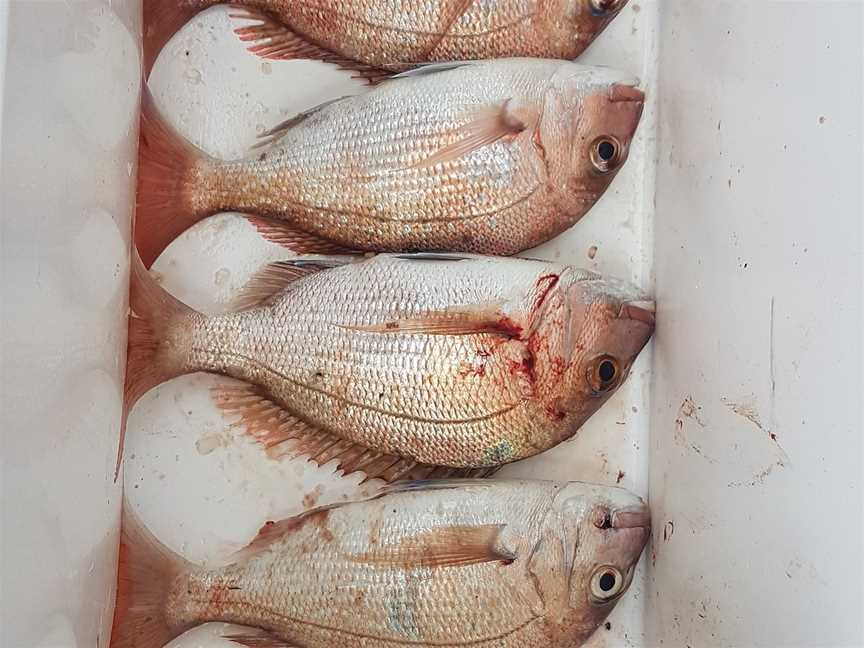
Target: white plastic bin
(741,207)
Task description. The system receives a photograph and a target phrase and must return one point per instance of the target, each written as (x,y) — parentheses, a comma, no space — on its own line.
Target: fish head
(592,16)
(602,532)
(606,324)
(589,118)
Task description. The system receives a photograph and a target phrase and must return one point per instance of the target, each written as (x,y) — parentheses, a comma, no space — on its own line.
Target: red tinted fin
(164,205)
(156,315)
(466,320)
(489,126)
(145,572)
(456,546)
(281,233)
(270,281)
(271,39)
(284,435)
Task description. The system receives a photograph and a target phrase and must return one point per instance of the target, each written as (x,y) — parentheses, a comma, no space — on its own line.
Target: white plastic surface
(69,132)
(756,422)
(203,488)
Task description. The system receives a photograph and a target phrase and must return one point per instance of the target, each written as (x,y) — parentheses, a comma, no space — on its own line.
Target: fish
(374,37)
(480,563)
(488,157)
(394,361)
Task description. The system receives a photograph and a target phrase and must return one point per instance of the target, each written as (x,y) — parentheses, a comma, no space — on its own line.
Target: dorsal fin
(278,131)
(427,69)
(275,277)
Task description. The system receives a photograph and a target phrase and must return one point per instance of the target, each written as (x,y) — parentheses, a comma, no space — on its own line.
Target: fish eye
(603,374)
(607,582)
(605,7)
(606,154)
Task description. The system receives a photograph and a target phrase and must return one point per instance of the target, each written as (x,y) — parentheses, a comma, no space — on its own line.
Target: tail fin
(157,317)
(165,185)
(145,574)
(163,19)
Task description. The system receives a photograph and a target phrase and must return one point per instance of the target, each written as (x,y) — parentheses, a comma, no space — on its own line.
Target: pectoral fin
(254,638)
(489,126)
(463,320)
(455,546)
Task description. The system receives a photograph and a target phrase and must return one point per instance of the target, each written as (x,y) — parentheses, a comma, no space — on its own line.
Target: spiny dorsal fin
(427,69)
(268,282)
(456,546)
(421,485)
(274,134)
(273,40)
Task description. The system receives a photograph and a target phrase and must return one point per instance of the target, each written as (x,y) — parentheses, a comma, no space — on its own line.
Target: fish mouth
(626,93)
(641,311)
(632,517)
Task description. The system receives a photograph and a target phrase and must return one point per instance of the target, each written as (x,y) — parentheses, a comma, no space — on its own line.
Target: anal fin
(283,435)
(270,39)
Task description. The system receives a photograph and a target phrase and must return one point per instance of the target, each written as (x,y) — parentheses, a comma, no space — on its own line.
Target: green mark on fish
(498,453)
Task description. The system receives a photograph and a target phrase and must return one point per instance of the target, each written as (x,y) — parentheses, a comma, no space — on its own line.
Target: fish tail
(168,166)
(146,571)
(158,342)
(163,19)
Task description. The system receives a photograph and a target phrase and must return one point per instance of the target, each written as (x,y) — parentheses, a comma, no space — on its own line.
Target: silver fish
(491,157)
(461,361)
(486,564)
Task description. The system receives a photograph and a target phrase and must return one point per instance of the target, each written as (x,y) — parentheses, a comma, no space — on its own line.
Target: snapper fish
(375,37)
(397,363)
(486,564)
(488,157)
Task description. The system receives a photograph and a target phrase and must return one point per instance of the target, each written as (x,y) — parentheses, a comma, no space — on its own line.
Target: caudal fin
(166,163)
(145,574)
(163,19)
(156,351)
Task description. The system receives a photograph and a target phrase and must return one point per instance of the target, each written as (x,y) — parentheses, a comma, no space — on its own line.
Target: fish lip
(633,517)
(622,92)
(640,311)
